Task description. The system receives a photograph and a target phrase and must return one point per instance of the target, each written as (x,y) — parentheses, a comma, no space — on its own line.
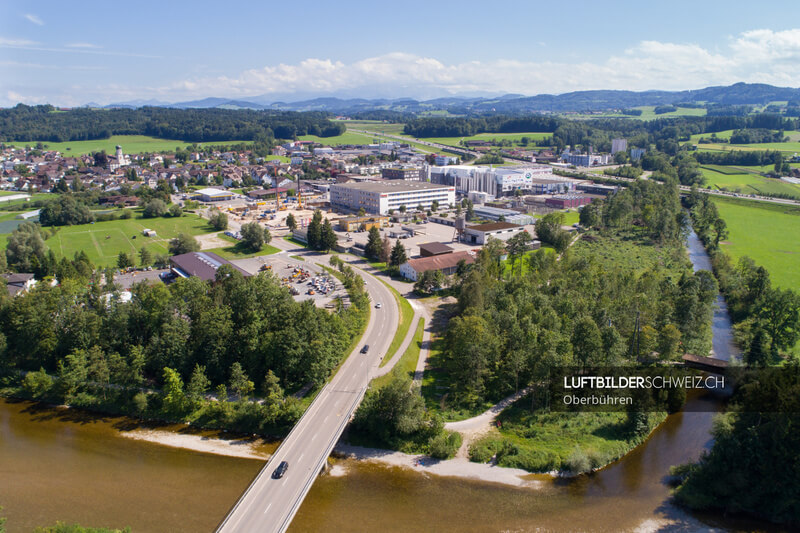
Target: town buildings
(381,197)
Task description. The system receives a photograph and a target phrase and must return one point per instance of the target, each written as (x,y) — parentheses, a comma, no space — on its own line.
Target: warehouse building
(500,181)
(213,195)
(567,201)
(204,265)
(447,264)
(507,215)
(357,223)
(499,230)
(380,197)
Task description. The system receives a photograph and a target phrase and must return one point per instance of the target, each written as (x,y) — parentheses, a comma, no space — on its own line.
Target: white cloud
(16,42)
(88,46)
(34,19)
(754,56)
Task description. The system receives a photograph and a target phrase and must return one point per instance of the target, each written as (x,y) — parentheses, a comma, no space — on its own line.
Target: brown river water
(62,464)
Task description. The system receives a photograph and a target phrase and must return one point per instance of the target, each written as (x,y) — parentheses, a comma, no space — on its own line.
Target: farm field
(746,180)
(767,233)
(131,144)
(391,128)
(513,137)
(345,138)
(648,113)
(103,241)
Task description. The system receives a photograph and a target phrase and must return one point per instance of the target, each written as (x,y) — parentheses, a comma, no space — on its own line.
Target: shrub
(444,445)
(578,462)
(37,383)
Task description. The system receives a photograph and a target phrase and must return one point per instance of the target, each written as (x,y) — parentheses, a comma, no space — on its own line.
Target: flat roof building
(204,265)
(380,197)
(210,194)
(499,230)
(508,215)
(430,249)
(402,173)
(500,181)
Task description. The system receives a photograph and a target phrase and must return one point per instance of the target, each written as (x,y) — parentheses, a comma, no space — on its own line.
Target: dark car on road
(365,349)
(281,470)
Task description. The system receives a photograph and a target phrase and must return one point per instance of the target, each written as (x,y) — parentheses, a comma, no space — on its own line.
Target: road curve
(269,505)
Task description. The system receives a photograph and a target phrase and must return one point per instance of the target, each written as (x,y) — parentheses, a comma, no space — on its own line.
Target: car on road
(281,470)
(378,305)
(365,349)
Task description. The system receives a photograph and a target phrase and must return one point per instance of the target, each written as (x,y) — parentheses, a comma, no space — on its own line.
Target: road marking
(301,456)
(267,509)
(314,437)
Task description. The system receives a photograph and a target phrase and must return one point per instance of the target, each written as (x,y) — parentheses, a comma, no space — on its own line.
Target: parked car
(365,349)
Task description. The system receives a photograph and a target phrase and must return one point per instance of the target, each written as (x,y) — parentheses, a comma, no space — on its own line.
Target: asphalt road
(269,505)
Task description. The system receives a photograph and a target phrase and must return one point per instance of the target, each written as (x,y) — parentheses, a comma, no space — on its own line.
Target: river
(58,464)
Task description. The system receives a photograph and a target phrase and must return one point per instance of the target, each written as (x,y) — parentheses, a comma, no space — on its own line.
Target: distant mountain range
(579,101)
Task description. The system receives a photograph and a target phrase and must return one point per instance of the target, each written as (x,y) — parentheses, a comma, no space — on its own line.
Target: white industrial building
(499,230)
(618,145)
(497,182)
(380,197)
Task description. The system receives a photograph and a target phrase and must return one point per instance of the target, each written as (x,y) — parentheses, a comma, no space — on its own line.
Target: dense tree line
(464,127)
(752,467)
(738,157)
(757,135)
(252,322)
(42,123)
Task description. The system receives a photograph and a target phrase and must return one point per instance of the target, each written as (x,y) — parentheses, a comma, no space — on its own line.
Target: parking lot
(287,270)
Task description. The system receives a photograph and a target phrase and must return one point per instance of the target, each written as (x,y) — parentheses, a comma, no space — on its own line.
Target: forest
(238,335)
(44,123)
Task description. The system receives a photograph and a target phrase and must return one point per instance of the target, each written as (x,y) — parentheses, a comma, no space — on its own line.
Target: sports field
(767,233)
(103,241)
(131,144)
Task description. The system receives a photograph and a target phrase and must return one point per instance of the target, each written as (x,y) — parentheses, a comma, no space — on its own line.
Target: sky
(82,51)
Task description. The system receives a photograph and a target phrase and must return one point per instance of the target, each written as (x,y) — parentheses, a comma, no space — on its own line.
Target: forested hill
(45,123)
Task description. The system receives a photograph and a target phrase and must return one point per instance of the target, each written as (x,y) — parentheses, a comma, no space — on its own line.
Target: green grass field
(237,250)
(767,233)
(491,137)
(408,361)
(746,180)
(390,128)
(131,144)
(103,241)
(345,138)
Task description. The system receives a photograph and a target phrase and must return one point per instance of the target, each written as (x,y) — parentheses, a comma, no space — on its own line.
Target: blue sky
(70,53)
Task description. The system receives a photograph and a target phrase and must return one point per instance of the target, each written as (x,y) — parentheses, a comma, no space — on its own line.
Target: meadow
(491,137)
(131,144)
(746,180)
(103,241)
(767,233)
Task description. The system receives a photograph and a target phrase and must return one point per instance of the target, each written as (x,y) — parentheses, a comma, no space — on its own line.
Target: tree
(183,244)
(669,340)
(386,249)
(219,220)
(174,402)
(124,261)
(362,212)
(175,211)
(516,247)
(66,210)
(254,236)
(398,256)
(470,210)
(403,208)
(373,247)
(328,239)
(25,249)
(199,384)
(435,205)
(291,223)
(314,231)
(155,208)
(145,257)
(429,281)
(241,386)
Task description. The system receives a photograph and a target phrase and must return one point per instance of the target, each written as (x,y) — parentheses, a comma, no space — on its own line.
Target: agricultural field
(791,147)
(389,128)
(746,180)
(347,137)
(103,241)
(491,137)
(131,144)
(648,113)
(767,233)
